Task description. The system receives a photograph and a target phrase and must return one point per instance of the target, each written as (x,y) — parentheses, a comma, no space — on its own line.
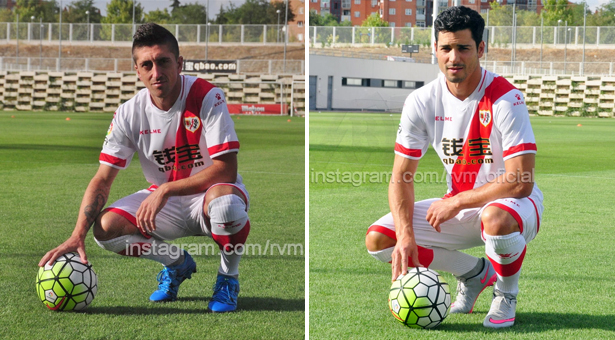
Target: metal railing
(200,34)
(499,36)
(247,66)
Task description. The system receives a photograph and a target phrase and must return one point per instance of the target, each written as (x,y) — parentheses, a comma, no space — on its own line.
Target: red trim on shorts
(537,216)
(383,230)
(129,217)
(511,211)
(508,269)
(425,254)
(245,197)
(152,187)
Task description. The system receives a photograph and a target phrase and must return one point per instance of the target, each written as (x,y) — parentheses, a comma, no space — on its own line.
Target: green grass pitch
(47,162)
(567,281)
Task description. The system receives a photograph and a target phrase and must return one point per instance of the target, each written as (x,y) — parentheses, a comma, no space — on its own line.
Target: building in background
(405,13)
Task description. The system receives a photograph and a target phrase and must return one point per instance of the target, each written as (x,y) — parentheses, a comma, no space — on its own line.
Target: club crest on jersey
(192,123)
(485,117)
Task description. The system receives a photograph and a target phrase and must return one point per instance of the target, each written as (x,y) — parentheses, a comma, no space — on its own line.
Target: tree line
(258,12)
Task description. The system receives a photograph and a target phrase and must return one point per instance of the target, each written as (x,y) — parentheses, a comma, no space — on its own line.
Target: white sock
(229,264)
(139,246)
(453,261)
(383,255)
(506,253)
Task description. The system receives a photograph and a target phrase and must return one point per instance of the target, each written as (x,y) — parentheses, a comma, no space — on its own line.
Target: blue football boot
(171,277)
(224,299)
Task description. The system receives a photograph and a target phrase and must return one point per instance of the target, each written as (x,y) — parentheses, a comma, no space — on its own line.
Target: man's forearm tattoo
(92,210)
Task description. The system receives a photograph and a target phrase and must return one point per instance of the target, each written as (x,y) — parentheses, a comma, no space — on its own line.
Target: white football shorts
(464,230)
(181,216)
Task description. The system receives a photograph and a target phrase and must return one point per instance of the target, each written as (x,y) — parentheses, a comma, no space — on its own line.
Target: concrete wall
(365,98)
(105,91)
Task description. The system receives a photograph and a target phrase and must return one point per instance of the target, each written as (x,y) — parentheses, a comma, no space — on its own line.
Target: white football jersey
(473,137)
(172,144)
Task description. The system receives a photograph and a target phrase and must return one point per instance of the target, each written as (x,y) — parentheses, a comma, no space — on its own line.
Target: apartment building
(405,13)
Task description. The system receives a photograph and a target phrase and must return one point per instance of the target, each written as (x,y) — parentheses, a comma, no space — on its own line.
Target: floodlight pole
(584,23)
(434,15)
(60,41)
(207,32)
(277,40)
(40,45)
(88,27)
(285,33)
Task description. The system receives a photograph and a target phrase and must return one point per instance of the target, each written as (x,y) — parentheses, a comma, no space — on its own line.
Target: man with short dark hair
(185,138)
(479,126)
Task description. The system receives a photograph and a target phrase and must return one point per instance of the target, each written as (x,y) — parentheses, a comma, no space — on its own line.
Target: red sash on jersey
(189,129)
(466,168)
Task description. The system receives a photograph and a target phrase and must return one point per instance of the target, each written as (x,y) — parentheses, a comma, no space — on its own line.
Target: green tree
(75,12)
(189,14)
(604,15)
(556,10)
(158,16)
(120,12)
(6,15)
(499,15)
(374,20)
(325,20)
(259,12)
(35,8)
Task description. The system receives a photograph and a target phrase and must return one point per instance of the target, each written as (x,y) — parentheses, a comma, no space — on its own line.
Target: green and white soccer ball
(420,299)
(68,284)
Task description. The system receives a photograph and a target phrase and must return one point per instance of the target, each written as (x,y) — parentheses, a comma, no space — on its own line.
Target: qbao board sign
(213,66)
(258,109)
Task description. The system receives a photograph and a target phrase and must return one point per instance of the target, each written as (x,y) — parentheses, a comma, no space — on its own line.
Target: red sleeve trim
(112,160)
(223,147)
(519,148)
(406,151)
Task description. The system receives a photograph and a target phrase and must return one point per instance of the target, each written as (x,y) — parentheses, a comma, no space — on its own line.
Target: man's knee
(375,241)
(110,225)
(497,221)
(228,217)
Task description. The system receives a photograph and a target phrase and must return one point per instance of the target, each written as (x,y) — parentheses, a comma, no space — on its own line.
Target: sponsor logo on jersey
(192,123)
(484,117)
(444,119)
(149,132)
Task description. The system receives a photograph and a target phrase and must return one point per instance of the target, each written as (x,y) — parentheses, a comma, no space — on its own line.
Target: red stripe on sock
(508,269)
(229,241)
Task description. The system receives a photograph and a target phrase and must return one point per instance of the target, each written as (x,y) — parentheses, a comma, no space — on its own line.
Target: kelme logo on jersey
(484,117)
(192,123)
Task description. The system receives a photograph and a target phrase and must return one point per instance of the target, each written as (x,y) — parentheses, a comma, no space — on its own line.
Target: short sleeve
(513,121)
(218,125)
(412,140)
(117,149)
